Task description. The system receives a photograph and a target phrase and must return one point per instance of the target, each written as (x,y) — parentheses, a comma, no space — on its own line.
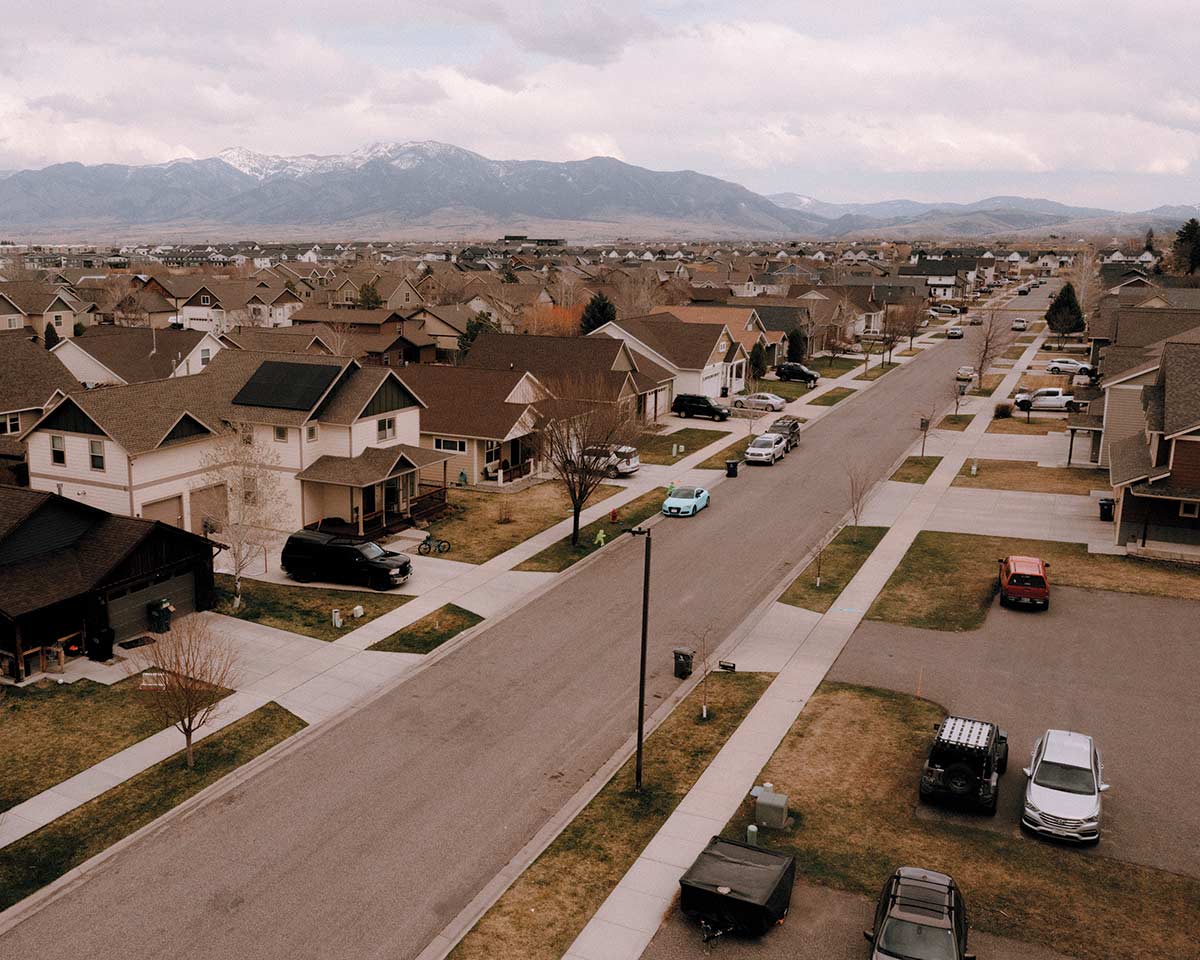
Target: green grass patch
(28,864)
(946,581)
(540,915)
(956,421)
(877,371)
(837,565)
(915,469)
(788,389)
(430,632)
(735,451)
(831,365)
(558,556)
(303,610)
(656,448)
(836,395)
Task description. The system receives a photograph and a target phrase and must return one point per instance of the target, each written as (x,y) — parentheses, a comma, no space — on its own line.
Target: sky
(1065,100)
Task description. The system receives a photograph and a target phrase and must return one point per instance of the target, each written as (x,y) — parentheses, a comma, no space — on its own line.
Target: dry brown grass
(956,421)
(915,469)
(1035,381)
(839,562)
(474,530)
(851,763)
(1016,425)
(1027,475)
(987,385)
(1013,353)
(657,448)
(539,916)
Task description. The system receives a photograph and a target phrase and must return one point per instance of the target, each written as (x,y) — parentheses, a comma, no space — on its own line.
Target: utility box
(771,810)
(683,662)
(158,614)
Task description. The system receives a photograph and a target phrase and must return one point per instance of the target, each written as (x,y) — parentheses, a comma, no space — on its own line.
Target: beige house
(31,380)
(700,358)
(38,306)
(107,354)
(344,440)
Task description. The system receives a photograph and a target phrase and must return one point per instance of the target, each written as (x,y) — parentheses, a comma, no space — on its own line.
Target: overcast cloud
(842,103)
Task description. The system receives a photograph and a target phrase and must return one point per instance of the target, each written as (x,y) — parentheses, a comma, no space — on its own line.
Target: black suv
(788,428)
(797,371)
(965,763)
(697,405)
(921,915)
(311,555)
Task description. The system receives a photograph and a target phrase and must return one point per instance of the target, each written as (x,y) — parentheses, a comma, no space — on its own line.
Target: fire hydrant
(612,515)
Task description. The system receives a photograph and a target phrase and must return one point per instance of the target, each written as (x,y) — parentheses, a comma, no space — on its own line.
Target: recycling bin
(683,662)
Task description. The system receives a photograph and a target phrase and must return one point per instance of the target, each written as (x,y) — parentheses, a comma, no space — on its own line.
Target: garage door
(209,504)
(127,612)
(168,511)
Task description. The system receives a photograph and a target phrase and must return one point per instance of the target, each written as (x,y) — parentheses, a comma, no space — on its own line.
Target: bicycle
(431,543)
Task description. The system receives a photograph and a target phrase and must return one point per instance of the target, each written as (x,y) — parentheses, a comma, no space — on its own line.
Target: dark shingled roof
(29,374)
(1129,460)
(136,354)
(686,345)
(1179,378)
(467,401)
(373,465)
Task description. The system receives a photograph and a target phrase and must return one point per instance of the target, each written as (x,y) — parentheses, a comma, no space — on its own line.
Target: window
(58,450)
(1190,510)
(310,433)
(96,452)
(491,452)
(14,323)
(205,356)
(386,428)
(281,434)
(450,446)
(10,423)
(58,319)
(205,299)
(249,490)
(246,432)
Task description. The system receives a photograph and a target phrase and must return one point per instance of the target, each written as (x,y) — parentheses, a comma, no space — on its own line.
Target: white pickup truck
(1047,398)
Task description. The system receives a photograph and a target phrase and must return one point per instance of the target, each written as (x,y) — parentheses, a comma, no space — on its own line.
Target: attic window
(205,299)
(205,356)
(1189,510)
(10,423)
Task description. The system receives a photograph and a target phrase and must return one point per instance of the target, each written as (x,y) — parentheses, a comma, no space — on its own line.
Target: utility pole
(641,709)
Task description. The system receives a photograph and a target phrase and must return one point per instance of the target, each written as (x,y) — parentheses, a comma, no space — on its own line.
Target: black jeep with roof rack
(965,763)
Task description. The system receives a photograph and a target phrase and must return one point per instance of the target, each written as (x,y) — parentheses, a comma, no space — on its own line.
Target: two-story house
(109,354)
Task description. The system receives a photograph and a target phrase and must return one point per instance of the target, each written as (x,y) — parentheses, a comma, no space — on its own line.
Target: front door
(368,501)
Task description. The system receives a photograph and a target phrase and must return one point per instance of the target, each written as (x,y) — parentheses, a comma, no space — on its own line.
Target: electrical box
(771,810)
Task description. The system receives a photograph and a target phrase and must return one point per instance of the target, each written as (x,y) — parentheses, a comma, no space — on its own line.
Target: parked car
(965,373)
(1024,582)
(614,460)
(954,333)
(1020,323)
(788,428)
(946,310)
(797,371)
(1066,778)
(767,449)
(698,405)
(1023,292)
(1046,398)
(965,763)
(1068,365)
(685,502)
(975,320)
(920,915)
(761,401)
(312,555)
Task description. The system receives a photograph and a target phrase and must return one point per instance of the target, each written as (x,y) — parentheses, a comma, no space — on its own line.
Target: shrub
(1003,411)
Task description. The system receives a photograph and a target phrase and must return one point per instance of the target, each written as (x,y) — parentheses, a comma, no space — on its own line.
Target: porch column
(360,510)
(20,652)
(1070,447)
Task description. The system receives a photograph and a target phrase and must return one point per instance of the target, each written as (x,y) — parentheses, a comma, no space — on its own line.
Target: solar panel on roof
(286,386)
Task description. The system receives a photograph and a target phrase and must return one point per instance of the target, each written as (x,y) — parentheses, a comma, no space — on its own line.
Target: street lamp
(641,709)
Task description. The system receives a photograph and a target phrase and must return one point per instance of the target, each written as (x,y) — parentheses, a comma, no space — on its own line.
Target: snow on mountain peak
(262,166)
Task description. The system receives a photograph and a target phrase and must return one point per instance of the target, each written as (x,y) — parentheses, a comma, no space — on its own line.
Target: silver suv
(921,915)
(1062,798)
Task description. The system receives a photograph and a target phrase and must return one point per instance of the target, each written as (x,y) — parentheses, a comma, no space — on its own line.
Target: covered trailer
(735,887)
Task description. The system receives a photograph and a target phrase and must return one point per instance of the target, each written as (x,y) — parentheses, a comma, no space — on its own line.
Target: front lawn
(1013,353)
(1016,425)
(1028,476)
(484,525)
(788,389)
(303,610)
(49,731)
(850,765)
(541,914)
(28,864)
(1035,381)
(877,371)
(836,395)
(838,563)
(430,632)
(831,366)
(915,469)
(956,421)
(987,385)
(946,581)
(656,448)
(558,556)
(735,451)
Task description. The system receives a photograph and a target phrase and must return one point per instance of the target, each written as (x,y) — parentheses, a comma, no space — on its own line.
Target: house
(382,336)
(70,572)
(302,339)
(743,324)
(443,324)
(1155,472)
(485,419)
(342,437)
(25,303)
(580,368)
(31,380)
(106,355)
(702,358)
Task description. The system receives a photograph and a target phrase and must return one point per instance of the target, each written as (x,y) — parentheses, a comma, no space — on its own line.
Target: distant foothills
(426,190)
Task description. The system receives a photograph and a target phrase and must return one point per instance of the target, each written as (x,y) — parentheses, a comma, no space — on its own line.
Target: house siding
(1123,415)
(1185,463)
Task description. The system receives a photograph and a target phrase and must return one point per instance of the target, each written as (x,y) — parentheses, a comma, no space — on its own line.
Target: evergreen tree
(796,345)
(369,298)
(1148,246)
(1065,315)
(758,362)
(475,326)
(50,337)
(1187,246)
(599,311)
(507,275)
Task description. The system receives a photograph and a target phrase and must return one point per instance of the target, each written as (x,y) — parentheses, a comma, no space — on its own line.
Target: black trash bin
(100,646)
(724,391)
(1107,506)
(158,613)
(731,468)
(683,662)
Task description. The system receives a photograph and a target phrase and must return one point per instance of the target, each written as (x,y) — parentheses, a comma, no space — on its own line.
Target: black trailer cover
(737,885)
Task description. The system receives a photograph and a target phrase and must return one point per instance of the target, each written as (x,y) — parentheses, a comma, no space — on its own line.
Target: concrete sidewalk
(628,919)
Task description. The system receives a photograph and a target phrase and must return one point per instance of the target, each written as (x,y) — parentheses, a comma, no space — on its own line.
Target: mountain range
(428,189)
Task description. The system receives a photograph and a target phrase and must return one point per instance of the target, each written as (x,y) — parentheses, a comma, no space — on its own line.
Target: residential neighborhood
(409,553)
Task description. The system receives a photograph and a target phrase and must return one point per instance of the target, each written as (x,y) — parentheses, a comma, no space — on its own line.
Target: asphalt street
(370,837)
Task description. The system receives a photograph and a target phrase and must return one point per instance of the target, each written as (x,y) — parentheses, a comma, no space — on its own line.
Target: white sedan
(1020,323)
(1067,365)
(965,373)
(761,401)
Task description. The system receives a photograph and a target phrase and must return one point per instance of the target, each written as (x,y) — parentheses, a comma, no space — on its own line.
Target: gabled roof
(1179,380)
(276,339)
(470,401)
(688,346)
(29,374)
(136,354)
(373,465)
(32,298)
(1129,461)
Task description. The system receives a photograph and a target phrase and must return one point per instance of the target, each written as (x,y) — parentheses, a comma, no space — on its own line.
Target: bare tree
(701,637)
(636,294)
(245,467)
(905,321)
(128,302)
(858,485)
(1085,276)
(185,672)
(338,336)
(573,428)
(987,344)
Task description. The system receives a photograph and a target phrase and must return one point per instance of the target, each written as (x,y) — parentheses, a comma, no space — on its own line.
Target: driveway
(1116,666)
(370,836)
(823,924)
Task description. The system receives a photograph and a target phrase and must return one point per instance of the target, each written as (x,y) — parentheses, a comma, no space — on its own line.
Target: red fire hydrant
(612,515)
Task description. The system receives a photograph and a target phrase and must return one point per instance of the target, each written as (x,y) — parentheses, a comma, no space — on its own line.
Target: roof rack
(966,733)
(942,907)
